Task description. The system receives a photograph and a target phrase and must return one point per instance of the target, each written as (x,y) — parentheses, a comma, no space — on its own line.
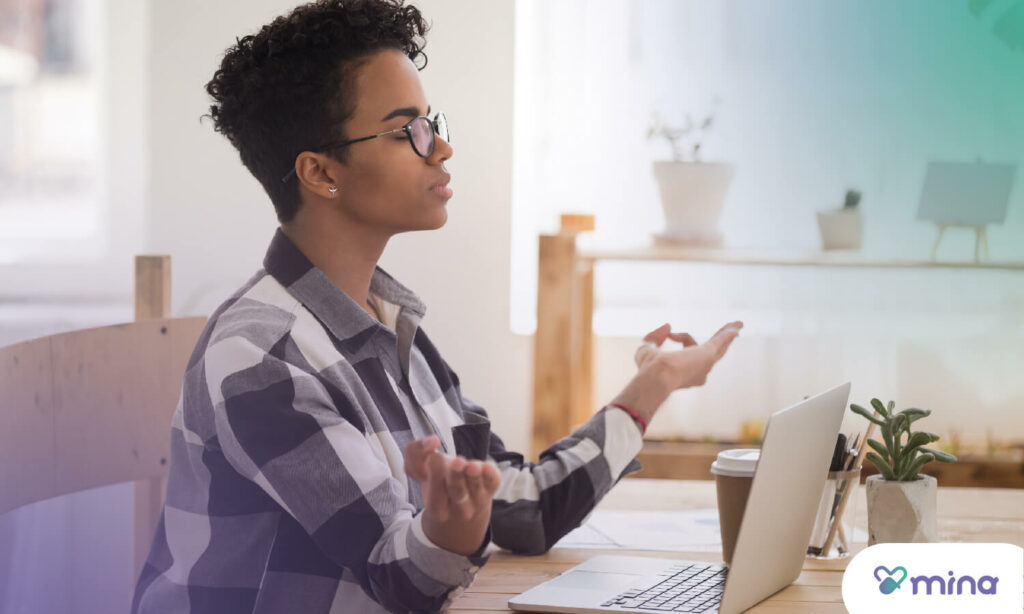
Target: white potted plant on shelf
(842,228)
(692,191)
(901,502)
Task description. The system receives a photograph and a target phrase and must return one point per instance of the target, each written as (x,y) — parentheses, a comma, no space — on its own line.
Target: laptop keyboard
(688,587)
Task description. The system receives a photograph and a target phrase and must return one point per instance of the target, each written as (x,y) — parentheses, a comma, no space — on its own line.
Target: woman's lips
(442,190)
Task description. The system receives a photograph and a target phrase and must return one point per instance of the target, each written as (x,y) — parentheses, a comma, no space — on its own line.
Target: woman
(289,489)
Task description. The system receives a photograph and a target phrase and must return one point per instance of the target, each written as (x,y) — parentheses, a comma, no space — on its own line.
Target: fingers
(475,480)
(645,353)
(458,490)
(685,338)
(690,366)
(491,478)
(663,332)
(654,340)
(482,479)
(470,486)
(435,489)
(416,454)
(464,488)
(658,335)
(453,488)
(721,340)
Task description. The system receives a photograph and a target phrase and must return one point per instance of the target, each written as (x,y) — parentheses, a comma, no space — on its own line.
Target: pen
(839,455)
(852,454)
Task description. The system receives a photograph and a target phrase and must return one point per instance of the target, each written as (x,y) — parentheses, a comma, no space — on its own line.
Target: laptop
(770,548)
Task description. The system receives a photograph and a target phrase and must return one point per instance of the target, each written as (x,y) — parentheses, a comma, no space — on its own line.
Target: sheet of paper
(681,530)
(693,530)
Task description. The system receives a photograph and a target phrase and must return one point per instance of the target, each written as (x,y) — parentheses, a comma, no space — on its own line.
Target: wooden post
(562,343)
(152,301)
(583,344)
(152,287)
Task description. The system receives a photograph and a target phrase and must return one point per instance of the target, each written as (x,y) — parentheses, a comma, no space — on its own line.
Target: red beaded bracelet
(636,416)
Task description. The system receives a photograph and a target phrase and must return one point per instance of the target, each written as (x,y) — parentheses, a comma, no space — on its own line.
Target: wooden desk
(965,515)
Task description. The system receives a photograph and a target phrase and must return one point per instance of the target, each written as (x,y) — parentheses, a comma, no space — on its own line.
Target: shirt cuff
(622,442)
(442,565)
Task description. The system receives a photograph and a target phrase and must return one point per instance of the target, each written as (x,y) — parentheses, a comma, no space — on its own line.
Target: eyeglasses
(420,131)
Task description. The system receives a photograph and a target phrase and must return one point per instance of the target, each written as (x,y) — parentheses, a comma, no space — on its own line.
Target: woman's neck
(345,252)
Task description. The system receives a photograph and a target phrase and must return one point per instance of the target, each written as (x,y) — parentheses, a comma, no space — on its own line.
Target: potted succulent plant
(842,228)
(901,501)
(692,191)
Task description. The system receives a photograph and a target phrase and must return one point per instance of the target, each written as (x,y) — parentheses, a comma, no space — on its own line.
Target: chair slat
(27,446)
(90,408)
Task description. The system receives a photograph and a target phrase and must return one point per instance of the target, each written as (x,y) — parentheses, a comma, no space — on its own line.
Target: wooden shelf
(770,257)
(692,461)
(674,460)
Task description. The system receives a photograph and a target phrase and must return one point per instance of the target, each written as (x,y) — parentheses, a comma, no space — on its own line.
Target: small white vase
(901,512)
(840,228)
(692,194)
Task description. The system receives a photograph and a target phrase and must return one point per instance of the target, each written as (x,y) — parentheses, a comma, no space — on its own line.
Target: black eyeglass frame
(407,129)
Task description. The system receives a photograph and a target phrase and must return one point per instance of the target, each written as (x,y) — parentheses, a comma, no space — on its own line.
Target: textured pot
(840,229)
(692,194)
(901,512)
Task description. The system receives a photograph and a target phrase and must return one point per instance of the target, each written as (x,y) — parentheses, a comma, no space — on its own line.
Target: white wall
(462,270)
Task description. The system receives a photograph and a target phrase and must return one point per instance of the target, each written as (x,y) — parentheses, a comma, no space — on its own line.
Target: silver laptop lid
(784,497)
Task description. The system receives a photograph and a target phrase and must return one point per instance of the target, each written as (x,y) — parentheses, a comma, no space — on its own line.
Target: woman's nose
(442,149)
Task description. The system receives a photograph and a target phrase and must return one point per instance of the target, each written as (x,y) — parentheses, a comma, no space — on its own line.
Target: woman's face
(384,183)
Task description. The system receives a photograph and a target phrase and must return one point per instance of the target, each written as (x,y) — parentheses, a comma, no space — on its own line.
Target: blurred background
(552,105)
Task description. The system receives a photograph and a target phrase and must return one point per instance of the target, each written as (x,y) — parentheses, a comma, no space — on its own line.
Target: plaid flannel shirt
(287,491)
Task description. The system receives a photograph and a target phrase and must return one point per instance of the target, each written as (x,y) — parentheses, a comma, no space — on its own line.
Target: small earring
(332,189)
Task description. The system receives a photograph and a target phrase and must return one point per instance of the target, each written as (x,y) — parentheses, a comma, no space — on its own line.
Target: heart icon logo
(889,583)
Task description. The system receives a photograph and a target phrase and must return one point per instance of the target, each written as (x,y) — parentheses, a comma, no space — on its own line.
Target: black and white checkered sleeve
(538,503)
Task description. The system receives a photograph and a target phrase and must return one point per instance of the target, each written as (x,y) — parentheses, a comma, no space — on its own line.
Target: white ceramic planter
(840,228)
(901,512)
(692,194)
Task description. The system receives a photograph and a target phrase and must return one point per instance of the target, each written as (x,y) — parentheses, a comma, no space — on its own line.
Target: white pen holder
(829,513)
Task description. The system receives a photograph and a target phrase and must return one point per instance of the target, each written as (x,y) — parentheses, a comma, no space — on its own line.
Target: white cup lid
(738,463)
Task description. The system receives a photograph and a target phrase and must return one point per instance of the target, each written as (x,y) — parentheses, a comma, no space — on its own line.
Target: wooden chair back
(93,407)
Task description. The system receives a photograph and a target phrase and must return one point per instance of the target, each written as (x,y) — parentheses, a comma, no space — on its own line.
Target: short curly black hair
(291,86)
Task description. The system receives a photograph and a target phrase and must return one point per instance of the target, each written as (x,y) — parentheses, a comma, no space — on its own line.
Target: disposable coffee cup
(734,473)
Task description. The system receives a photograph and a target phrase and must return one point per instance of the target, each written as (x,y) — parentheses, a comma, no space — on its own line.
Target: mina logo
(890,580)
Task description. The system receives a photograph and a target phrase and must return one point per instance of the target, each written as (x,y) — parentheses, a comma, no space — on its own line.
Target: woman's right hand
(456,494)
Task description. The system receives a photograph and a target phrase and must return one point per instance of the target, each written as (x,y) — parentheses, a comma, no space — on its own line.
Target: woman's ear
(314,172)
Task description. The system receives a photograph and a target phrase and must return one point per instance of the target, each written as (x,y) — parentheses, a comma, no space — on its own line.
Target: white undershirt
(387,313)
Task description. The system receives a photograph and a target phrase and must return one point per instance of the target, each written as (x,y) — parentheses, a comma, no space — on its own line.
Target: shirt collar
(349,322)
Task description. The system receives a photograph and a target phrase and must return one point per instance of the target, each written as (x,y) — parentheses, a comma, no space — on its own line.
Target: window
(49,122)
(72,163)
